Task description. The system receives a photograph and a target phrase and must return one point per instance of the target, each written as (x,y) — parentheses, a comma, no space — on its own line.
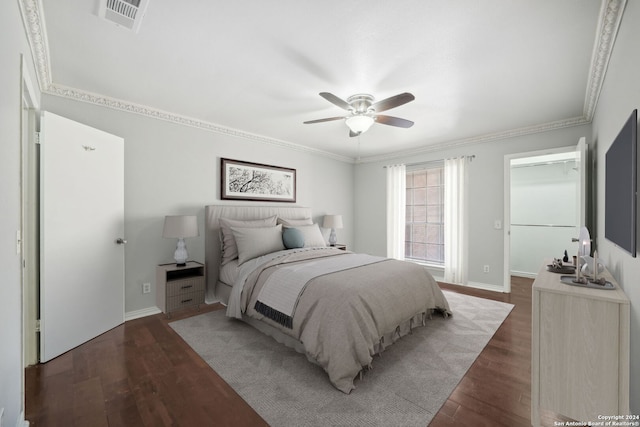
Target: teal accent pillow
(292,238)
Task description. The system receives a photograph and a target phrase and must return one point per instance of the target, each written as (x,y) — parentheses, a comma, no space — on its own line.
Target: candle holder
(581,280)
(586,283)
(592,266)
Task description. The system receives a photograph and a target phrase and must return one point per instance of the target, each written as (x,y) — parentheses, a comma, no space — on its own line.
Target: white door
(82,218)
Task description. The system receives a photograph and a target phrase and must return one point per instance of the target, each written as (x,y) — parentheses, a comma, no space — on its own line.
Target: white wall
(13,43)
(620,95)
(486,197)
(175,169)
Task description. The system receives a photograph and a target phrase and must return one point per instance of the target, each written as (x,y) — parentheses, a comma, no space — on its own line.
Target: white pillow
(312,235)
(254,242)
(294,222)
(229,248)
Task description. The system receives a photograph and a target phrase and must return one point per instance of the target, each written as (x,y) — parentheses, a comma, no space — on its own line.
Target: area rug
(408,384)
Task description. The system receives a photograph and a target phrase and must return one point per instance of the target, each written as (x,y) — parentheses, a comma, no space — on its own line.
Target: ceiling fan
(363,111)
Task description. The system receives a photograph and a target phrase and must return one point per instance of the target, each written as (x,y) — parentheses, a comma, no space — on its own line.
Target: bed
(337,307)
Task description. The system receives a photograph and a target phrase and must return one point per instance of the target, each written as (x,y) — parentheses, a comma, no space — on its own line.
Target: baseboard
(150,311)
(438,278)
(524,274)
(477,285)
(486,286)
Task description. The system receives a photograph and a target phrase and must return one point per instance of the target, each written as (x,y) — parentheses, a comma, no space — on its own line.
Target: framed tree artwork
(255,181)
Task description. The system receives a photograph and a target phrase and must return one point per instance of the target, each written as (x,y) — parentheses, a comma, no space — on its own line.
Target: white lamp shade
(359,124)
(332,221)
(180,226)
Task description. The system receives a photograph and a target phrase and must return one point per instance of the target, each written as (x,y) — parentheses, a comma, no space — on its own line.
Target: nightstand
(340,246)
(179,287)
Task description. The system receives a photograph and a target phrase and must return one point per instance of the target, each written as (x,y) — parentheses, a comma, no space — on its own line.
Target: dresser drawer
(182,286)
(185,300)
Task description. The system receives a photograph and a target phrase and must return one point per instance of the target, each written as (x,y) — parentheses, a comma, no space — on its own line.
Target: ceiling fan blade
(328,119)
(394,121)
(393,102)
(335,100)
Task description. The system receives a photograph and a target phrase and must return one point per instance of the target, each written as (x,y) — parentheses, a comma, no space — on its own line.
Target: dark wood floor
(143,374)
(497,388)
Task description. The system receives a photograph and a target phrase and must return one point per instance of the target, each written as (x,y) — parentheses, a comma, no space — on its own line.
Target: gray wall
(174,169)
(486,198)
(620,95)
(13,43)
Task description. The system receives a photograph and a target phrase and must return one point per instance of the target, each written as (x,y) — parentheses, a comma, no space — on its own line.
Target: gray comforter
(342,318)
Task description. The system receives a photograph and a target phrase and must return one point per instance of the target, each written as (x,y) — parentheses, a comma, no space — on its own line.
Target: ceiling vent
(125,13)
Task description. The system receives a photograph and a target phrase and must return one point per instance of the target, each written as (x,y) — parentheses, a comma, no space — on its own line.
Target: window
(424,227)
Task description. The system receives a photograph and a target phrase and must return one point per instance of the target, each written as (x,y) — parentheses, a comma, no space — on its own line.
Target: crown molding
(154,113)
(34,25)
(608,26)
(480,139)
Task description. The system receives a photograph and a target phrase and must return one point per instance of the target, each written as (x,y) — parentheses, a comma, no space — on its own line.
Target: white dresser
(580,349)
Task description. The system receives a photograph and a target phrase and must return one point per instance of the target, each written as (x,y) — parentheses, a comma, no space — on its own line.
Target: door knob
(121,241)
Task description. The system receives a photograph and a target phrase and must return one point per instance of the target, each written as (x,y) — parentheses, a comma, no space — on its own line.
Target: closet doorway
(545,201)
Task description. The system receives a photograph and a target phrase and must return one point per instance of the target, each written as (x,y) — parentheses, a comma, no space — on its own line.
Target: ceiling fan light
(359,124)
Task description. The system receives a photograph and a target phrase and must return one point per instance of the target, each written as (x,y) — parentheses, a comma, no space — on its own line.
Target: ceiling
(479,70)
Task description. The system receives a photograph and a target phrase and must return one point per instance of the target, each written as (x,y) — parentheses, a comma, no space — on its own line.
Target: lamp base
(332,237)
(180,255)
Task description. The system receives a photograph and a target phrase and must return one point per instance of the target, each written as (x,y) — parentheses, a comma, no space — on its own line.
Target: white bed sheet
(229,272)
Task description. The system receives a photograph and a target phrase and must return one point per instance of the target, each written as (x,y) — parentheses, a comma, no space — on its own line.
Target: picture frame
(240,180)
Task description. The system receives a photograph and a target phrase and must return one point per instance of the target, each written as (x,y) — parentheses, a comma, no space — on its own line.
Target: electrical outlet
(486,268)
(146,288)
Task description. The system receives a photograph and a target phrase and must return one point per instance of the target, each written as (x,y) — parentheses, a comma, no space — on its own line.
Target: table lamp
(180,227)
(332,222)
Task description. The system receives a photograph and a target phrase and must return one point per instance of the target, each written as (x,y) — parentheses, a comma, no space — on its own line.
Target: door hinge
(37,138)
(38,325)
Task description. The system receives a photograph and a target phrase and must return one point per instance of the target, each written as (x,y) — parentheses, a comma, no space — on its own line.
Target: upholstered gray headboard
(212,246)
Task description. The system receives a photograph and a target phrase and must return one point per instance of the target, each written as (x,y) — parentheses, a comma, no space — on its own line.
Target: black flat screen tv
(621,187)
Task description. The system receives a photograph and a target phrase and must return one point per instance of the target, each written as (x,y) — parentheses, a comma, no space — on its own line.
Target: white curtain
(396,207)
(455,221)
